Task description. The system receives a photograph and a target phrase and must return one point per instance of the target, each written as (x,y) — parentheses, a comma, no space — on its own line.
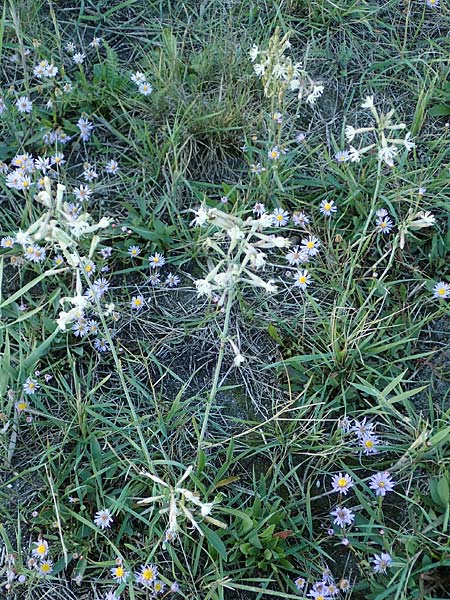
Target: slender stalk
(213,391)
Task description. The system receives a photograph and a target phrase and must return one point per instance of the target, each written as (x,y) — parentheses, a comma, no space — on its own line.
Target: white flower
(368,102)
(350,133)
(423,219)
(259,69)
(280,71)
(201,217)
(206,508)
(315,94)
(204,288)
(235,234)
(253,52)
(22,238)
(387,154)
(223,280)
(355,155)
(258,260)
(409,145)
(297,70)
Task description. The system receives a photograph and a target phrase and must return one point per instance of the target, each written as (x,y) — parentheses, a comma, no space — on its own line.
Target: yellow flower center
(381,484)
(22,406)
(327,206)
(137,302)
(88,268)
(279,217)
(310,245)
(120,572)
(302,279)
(45,568)
(274,154)
(8,243)
(368,444)
(441,291)
(147,574)
(41,549)
(342,482)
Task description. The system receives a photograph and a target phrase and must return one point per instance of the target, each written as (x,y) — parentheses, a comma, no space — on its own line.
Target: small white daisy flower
(103,518)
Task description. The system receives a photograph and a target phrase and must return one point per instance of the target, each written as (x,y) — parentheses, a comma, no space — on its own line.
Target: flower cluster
(142,84)
(383,130)
(280,74)
(174,499)
(239,246)
(325,588)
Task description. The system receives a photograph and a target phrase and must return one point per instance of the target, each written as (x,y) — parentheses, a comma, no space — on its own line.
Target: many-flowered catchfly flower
(381,483)
(181,504)
(239,253)
(103,518)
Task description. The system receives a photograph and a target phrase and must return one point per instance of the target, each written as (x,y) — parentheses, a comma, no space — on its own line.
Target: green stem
(213,392)
(366,226)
